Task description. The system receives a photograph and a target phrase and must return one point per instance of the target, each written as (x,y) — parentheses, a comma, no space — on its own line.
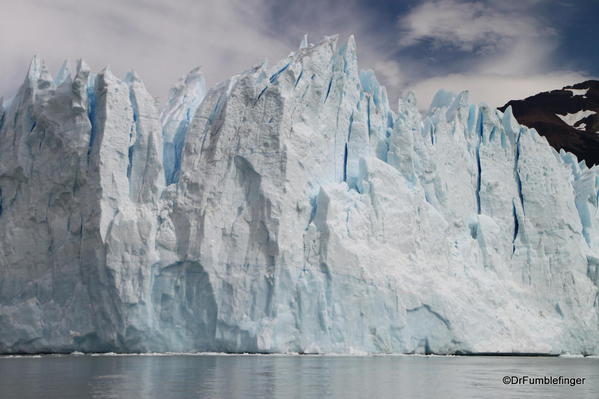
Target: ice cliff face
(287,209)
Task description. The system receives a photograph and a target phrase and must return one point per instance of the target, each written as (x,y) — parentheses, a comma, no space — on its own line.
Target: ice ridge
(288,209)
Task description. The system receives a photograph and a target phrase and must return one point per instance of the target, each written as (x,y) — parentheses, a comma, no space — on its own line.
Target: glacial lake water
(278,376)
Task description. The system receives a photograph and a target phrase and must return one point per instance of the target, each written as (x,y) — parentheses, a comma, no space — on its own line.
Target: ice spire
(304,43)
(176,118)
(35,67)
(38,76)
(64,74)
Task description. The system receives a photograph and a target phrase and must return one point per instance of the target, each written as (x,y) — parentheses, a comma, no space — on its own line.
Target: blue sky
(497,50)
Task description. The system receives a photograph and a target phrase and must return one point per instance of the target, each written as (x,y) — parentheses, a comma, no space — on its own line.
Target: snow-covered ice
(572,119)
(291,208)
(578,92)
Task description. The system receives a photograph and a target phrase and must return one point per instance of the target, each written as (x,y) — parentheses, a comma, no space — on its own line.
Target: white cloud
(512,51)
(468,26)
(343,17)
(161,40)
(493,89)
(390,73)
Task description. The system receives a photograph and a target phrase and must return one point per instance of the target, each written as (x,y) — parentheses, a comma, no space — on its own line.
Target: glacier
(288,209)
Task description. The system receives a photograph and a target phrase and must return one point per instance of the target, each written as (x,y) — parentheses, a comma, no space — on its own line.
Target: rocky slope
(568,118)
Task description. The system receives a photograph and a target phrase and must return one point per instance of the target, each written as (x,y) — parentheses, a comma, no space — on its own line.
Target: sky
(498,50)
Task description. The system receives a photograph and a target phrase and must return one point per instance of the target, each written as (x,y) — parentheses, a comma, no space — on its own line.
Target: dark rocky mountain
(568,118)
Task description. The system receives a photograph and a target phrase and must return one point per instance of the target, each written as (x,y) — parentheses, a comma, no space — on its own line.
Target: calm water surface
(222,376)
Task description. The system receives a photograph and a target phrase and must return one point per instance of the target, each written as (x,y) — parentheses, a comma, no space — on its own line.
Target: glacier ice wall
(288,209)
(184,100)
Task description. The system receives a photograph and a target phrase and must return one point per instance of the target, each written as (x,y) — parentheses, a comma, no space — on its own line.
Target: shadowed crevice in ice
(176,119)
(516,228)
(91,114)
